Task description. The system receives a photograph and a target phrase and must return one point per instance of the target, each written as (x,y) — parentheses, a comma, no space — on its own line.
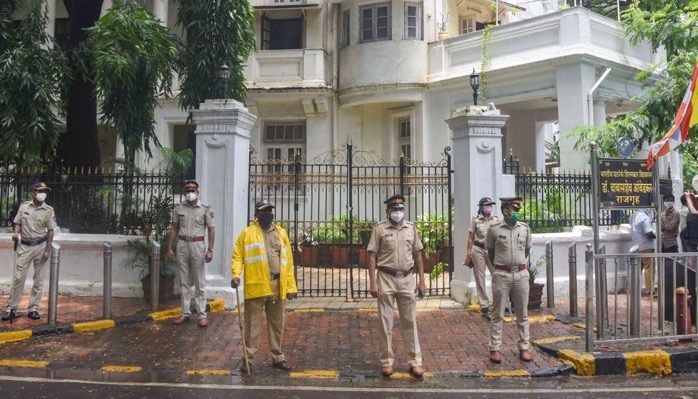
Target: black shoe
(282,365)
(485,311)
(34,315)
(243,367)
(9,315)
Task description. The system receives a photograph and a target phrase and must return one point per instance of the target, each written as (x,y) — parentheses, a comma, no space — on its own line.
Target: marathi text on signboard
(624,183)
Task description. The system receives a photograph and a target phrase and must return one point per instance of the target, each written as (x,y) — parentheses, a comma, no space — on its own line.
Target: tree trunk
(80,146)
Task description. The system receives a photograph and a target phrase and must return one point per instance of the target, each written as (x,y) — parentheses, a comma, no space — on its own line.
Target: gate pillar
(222,170)
(477,164)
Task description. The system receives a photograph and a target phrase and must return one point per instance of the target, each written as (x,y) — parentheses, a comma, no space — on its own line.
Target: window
(467,24)
(62,33)
(282,142)
(375,22)
(346,28)
(404,136)
(413,21)
(282,34)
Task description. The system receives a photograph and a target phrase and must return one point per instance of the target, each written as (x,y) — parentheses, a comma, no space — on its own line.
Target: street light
(475,84)
(223,75)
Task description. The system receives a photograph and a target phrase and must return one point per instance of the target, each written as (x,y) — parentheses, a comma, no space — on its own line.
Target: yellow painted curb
(584,364)
(23,363)
(542,341)
(475,308)
(367,310)
(15,336)
(311,310)
(513,373)
(208,372)
(122,369)
(217,305)
(653,362)
(93,325)
(166,314)
(532,319)
(428,310)
(401,374)
(325,374)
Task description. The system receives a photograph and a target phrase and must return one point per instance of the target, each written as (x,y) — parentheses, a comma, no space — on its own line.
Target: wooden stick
(242,333)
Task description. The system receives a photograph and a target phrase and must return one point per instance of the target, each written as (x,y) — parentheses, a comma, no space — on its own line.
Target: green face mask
(515,216)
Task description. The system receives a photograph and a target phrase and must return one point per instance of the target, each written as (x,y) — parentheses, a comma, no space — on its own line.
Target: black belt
(274,276)
(33,241)
(395,273)
(514,268)
(479,244)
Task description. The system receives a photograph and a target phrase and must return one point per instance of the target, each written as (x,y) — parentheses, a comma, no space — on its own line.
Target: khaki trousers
(27,256)
(648,268)
(275,323)
(481,262)
(191,266)
(402,291)
(504,285)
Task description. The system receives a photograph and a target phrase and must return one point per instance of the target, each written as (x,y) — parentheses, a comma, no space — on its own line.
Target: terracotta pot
(309,256)
(535,295)
(443,35)
(166,288)
(431,261)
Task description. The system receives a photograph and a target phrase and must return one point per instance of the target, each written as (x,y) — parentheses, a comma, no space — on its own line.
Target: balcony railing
(284,68)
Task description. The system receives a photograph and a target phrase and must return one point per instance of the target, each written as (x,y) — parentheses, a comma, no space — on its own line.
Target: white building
(375,72)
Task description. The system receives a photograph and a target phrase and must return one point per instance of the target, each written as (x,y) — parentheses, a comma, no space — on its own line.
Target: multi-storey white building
(376,72)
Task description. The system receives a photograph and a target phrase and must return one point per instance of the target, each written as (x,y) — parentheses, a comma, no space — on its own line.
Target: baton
(242,333)
(16,240)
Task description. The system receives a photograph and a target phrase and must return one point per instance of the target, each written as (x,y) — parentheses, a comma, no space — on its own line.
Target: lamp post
(223,75)
(475,84)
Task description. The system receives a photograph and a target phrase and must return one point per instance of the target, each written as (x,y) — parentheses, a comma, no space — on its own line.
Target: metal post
(634,298)
(53,284)
(155,277)
(589,297)
(572,252)
(106,308)
(549,274)
(601,294)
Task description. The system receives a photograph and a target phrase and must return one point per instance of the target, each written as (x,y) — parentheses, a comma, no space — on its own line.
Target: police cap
(514,202)
(397,201)
(485,201)
(262,205)
(40,186)
(191,185)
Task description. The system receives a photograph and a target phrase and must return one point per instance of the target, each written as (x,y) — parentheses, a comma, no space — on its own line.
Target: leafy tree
(33,72)
(134,59)
(670,25)
(216,32)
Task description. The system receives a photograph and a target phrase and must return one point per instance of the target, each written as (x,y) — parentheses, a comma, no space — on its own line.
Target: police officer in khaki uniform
(396,250)
(34,225)
(190,221)
(508,244)
(476,256)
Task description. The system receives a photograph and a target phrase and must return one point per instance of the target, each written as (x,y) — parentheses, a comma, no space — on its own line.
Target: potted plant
(432,230)
(309,249)
(333,234)
(442,27)
(535,292)
(363,231)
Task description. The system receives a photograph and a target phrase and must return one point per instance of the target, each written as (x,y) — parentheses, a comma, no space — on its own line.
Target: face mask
(397,216)
(515,216)
(669,204)
(487,209)
(191,197)
(265,219)
(40,197)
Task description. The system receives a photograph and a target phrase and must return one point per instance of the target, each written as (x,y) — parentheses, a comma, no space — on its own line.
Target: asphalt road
(682,387)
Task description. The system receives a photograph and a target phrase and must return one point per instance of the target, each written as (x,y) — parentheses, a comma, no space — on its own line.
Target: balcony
(305,68)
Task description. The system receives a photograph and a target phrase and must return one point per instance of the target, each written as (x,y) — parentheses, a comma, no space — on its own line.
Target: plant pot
(340,255)
(324,255)
(443,35)
(166,288)
(535,295)
(431,260)
(309,256)
(363,258)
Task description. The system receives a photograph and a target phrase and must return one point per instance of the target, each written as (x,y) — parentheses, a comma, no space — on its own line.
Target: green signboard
(625,184)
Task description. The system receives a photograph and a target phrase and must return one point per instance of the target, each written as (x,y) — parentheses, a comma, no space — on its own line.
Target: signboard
(624,184)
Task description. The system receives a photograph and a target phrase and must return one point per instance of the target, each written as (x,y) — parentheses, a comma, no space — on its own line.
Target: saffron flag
(686,118)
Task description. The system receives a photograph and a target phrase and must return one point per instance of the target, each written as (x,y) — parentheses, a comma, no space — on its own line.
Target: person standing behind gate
(190,220)
(478,255)
(508,245)
(263,250)
(643,236)
(683,215)
(691,222)
(670,225)
(33,226)
(395,250)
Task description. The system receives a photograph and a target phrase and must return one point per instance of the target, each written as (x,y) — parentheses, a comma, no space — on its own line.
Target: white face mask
(397,216)
(40,197)
(191,197)
(669,204)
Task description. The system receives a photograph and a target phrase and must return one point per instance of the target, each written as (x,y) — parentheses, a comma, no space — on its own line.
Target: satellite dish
(694,182)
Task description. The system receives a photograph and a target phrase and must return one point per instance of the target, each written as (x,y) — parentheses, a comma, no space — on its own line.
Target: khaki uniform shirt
(35,221)
(393,246)
(193,220)
(272,244)
(509,243)
(479,225)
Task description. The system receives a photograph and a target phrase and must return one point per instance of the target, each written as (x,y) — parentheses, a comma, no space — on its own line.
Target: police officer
(396,250)
(477,252)
(190,221)
(508,245)
(263,251)
(33,228)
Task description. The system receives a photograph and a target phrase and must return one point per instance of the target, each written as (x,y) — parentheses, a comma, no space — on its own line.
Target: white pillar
(160,9)
(573,83)
(599,113)
(477,161)
(222,169)
(106,4)
(51,23)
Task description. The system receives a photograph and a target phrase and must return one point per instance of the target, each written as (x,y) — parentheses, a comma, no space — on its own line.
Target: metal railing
(624,313)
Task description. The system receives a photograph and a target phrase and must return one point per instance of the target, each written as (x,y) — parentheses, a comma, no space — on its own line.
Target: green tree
(33,73)
(134,59)
(216,32)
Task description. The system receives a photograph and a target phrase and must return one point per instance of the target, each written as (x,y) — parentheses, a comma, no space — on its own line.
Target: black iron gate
(329,204)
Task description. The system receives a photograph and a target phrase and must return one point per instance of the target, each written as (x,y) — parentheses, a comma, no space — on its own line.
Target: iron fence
(94,201)
(330,203)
